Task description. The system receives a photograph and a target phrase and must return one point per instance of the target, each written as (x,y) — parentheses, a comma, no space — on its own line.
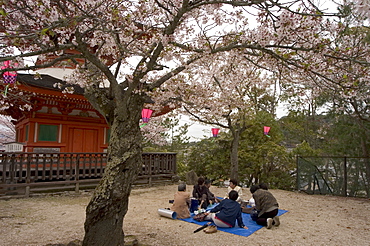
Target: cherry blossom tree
(7,130)
(337,72)
(124,50)
(338,75)
(153,132)
(361,7)
(333,58)
(234,91)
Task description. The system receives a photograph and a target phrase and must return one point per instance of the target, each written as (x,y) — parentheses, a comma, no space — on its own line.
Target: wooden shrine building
(57,121)
(48,120)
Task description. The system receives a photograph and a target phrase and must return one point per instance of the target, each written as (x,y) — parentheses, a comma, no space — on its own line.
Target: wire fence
(343,176)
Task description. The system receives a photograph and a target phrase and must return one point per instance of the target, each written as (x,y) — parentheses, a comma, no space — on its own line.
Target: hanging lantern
(266,130)
(9,77)
(215,131)
(146,114)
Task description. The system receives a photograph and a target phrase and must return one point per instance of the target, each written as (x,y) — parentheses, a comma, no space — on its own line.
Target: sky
(197,131)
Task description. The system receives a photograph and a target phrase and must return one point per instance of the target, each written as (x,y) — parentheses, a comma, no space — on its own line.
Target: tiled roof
(47,82)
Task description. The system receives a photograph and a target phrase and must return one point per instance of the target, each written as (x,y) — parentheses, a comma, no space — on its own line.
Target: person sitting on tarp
(227,212)
(181,202)
(267,207)
(251,201)
(200,193)
(233,185)
(210,196)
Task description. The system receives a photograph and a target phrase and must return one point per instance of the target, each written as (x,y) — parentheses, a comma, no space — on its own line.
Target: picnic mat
(252,225)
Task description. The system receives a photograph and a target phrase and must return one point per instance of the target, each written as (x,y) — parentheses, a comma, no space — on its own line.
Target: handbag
(200,217)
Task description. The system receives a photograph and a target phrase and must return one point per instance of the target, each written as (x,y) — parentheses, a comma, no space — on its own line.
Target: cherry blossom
(170,52)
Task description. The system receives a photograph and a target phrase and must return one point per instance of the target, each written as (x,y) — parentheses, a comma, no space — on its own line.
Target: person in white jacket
(233,185)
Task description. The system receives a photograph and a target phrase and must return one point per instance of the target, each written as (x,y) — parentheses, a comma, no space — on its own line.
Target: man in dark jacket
(200,193)
(210,196)
(267,206)
(227,212)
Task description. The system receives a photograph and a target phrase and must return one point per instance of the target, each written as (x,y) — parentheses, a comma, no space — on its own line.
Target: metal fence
(30,170)
(343,176)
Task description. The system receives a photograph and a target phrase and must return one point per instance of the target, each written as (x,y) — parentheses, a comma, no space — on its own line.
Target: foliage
(233,92)
(209,158)
(346,136)
(298,127)
(330,134)
(262,158)
(304,149)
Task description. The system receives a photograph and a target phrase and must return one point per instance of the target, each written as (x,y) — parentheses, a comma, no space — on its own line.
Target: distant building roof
(47,82)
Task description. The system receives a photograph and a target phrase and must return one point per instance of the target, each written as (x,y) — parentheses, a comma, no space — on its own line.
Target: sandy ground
(311,220)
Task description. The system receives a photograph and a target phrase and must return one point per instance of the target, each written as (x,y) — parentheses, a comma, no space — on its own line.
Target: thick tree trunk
(234,170)
(109,204)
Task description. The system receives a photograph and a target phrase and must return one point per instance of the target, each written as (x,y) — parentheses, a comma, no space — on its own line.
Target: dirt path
(311,220)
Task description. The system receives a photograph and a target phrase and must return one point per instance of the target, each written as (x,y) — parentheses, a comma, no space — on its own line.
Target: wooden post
(28,174)
(345,178)
(151,169)
(297,178)
(77,186)
(12,169)
(27,193)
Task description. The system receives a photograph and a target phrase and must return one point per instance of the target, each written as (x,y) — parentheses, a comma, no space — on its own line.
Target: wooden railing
(29,169)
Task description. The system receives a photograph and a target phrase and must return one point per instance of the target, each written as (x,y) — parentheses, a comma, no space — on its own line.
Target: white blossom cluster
(209,54)
(362,7)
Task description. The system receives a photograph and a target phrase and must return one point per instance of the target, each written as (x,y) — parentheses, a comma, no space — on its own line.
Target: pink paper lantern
(10,77)
(146,114)
(266,130)
(215,131)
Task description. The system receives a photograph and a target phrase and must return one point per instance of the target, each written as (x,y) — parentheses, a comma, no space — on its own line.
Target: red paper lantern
(146,114)
(10,77)
(266,130)
(215,131)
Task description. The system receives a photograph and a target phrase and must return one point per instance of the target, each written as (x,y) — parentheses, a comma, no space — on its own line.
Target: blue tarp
(252,225)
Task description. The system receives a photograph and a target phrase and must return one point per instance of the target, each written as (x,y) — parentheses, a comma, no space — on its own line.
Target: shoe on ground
(269,223)
(276,221)
(211,229)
